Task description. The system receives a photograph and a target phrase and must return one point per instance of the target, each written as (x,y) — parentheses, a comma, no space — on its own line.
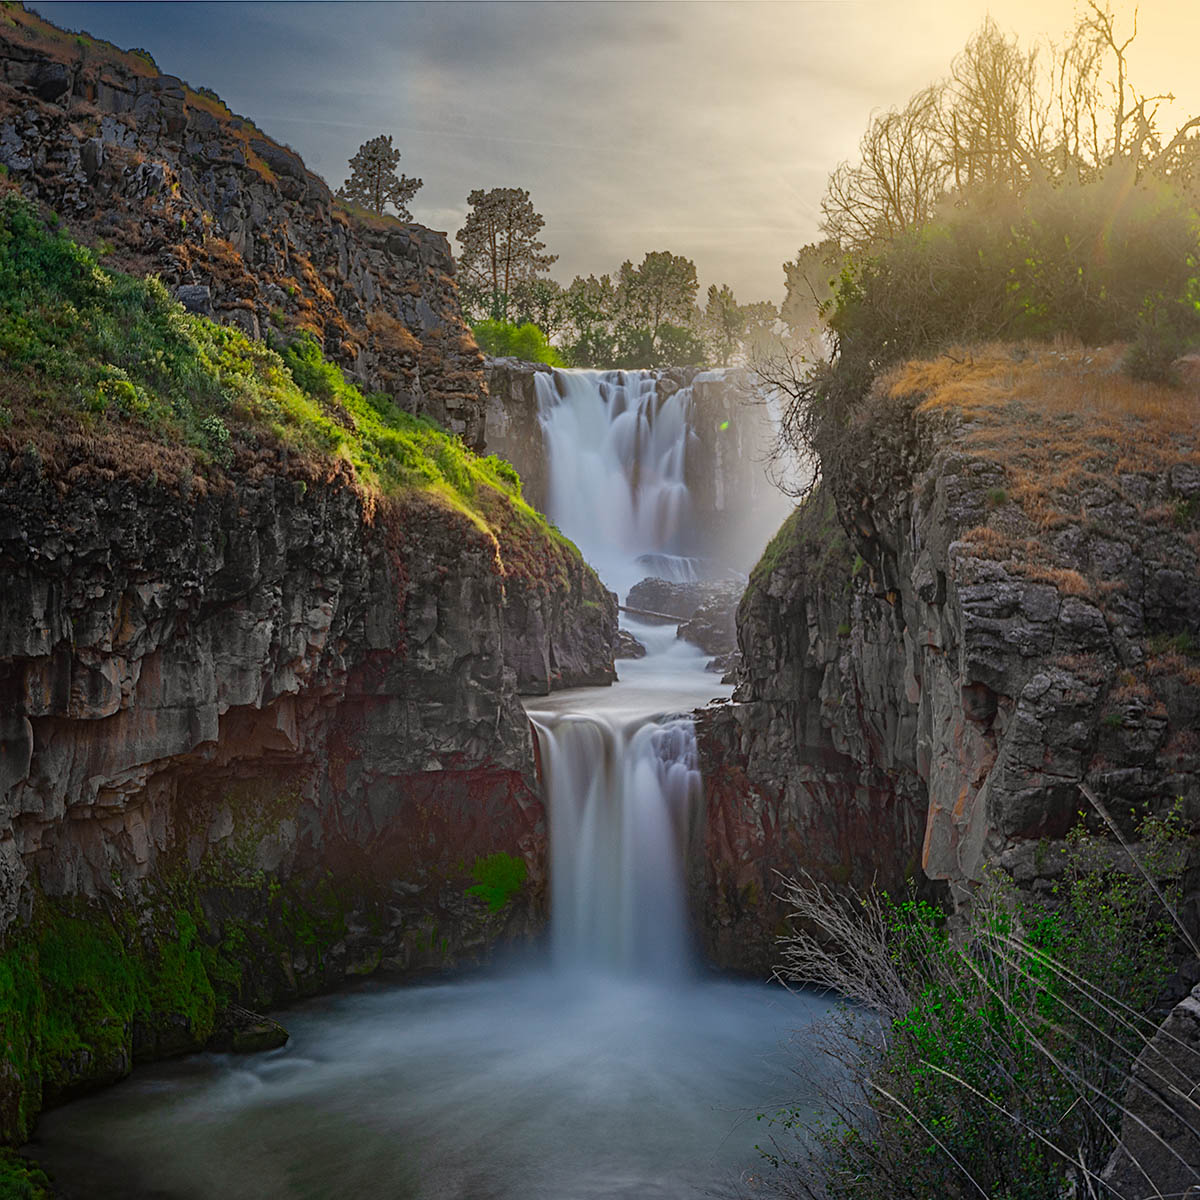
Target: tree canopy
(501,251)
(374,183)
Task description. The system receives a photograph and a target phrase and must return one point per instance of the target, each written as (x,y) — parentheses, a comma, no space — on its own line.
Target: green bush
(498,877)
(1097,261)
(1003,1050)
(503,339)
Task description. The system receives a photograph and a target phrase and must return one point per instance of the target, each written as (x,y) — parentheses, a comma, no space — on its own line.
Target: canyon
(267,731)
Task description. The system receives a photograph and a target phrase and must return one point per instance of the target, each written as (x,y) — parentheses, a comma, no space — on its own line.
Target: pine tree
(500,249)
(373,182)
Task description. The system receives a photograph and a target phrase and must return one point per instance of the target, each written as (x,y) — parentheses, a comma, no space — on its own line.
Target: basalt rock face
(512,429)
(260,734)
(166,180)
(933,667)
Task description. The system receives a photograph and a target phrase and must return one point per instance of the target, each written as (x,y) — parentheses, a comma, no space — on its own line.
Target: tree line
(645,315)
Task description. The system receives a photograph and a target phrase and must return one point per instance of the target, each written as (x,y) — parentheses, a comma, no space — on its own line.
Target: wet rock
(627,646)
(683,599)
(240,1031)
(713,625)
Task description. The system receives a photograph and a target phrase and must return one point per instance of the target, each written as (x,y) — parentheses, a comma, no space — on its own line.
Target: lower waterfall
(621,799)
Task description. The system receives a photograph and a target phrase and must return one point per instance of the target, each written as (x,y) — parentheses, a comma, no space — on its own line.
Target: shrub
(999,1062)
(498,878)
(503,339)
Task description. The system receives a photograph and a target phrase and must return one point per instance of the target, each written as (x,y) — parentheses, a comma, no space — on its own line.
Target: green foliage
(21,1179)
(1101,261)
(108,350)
(498,877)
(1003,1073)
(504,339)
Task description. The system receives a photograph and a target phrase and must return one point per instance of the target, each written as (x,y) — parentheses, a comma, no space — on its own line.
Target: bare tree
(902,174)
(373,182)
(995,118)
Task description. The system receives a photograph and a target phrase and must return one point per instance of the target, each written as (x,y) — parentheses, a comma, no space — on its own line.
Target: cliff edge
(160,177)
(998,602)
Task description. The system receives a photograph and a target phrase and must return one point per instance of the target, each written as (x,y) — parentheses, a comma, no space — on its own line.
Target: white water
(616,458)
(616,1068)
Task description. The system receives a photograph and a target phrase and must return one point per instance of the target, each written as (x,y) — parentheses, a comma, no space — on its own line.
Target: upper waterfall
(617,451)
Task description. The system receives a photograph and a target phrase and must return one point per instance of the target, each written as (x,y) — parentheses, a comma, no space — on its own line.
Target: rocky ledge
(996,602)
(165,179)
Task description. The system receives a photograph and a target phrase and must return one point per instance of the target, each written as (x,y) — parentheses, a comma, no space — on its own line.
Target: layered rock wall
(261,723)
(165,179)
(981,612)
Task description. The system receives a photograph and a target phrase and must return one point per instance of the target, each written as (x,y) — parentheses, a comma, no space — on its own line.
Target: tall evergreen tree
(500,249)
(374,183)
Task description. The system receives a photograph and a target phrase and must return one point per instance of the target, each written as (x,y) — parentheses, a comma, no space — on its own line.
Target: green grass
(21,1179)
(97,352)
(504,339)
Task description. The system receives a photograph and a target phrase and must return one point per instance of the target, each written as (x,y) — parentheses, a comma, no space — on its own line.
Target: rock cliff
(165,179)
(263,729)
(998,601)
(262,636)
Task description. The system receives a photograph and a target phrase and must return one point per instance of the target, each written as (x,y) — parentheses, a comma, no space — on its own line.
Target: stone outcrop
(164,179)
(511,426)
(981,612)
(1159,1150)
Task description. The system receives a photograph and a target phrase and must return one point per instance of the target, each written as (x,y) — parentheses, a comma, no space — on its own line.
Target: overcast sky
(707,129)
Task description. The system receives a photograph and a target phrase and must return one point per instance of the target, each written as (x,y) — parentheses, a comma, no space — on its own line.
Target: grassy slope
(112,358)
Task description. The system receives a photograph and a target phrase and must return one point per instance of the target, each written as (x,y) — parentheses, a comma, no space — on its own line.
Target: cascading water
(618,1070)
(621,785)
(621,798)
(617,452)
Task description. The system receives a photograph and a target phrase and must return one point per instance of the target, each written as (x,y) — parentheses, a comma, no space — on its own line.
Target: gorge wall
(995,601)
(260,734)
(259,719)
(165,179)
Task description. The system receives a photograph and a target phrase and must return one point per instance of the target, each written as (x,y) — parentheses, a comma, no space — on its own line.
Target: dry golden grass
(1087,385)
(392,335)
(1067,581)
(1064,423)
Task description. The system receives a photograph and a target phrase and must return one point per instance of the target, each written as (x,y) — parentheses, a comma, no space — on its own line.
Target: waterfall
(620,800)
(620,769)
(616,452)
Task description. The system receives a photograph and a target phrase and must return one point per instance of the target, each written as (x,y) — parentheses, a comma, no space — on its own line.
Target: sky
(703,128)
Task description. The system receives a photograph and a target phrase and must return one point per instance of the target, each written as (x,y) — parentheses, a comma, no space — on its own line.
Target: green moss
(21,1179)
(498,878)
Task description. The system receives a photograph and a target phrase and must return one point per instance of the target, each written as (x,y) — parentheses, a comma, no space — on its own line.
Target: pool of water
(529,1083)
